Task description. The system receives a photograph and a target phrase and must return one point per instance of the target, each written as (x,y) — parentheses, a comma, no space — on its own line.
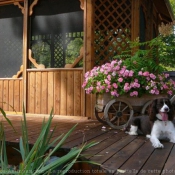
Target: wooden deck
(117,152)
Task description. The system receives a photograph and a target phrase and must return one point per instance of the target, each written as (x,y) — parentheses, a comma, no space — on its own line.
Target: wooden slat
(38,95)
(11,94)
(57,95)
(1,93)
(70,93)
(21,96)
(77,93)
(6,95)
(31,92)
(50,91)
(44,91)
(63,95)
(16,99)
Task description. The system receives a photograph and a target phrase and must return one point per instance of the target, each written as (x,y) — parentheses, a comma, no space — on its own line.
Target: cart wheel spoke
(125,108)
(114,108)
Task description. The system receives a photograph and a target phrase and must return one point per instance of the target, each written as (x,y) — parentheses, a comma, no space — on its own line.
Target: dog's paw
(172,140)
(158,145)
(148,136)
(132,133)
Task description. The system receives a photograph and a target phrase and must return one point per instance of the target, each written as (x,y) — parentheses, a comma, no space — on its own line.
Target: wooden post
(88,53)
(25,52)
(135,19)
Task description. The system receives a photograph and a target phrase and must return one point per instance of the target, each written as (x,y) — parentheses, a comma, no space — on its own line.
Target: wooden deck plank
(135,163)
(123,155)
(105,140)
(155,163)
(86,136)
(112,149)
(169,167)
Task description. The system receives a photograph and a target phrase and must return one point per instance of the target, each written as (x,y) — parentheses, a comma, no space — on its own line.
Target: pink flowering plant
(131,77)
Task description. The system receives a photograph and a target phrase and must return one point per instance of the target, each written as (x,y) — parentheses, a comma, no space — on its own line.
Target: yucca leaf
(9,122)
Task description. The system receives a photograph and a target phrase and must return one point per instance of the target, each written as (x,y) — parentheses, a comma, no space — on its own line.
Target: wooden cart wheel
(120,110)
(100,116)
(145,107)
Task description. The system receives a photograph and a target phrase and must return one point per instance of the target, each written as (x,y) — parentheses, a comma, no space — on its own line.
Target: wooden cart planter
(117,112)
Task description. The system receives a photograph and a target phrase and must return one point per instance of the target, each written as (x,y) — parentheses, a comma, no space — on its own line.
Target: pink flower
(122,71)
(166,75)
(152,91)
(134,93)
(127,87)
(140,73)
(170,92)
(109,77)
(131,73)
(114,93)
(115,85)
(120,79)
(107,81)
(153,76)
(146,74)
(126,73)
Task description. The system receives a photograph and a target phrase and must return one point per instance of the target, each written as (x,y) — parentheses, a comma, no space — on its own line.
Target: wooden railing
(59,89)
(11,94)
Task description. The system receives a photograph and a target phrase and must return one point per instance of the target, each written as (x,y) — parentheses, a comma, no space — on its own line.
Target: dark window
(56,32)
(11,38)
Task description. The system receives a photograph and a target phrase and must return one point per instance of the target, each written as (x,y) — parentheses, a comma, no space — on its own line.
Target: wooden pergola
(105,23)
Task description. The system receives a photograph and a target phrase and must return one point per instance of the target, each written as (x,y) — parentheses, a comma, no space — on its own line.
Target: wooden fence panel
(11,94)
(59,89)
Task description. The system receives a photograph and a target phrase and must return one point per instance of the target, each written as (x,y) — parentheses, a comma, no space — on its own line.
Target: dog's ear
(152,110)
(171,112)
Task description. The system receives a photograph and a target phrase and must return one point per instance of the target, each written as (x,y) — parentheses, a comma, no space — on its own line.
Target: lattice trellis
(59,60)
(112,24)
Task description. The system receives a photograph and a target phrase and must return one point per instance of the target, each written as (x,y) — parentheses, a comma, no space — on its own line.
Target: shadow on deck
(117,152)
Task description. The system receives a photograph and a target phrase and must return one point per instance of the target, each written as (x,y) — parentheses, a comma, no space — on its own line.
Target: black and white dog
(157,125)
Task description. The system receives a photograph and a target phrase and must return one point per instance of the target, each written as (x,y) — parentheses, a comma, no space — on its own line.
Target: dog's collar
(159,119)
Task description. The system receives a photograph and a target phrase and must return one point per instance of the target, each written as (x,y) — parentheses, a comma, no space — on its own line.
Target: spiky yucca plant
(34,160)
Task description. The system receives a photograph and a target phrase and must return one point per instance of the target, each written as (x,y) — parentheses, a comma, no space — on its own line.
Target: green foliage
(73,50)
(172,2)
(167,51)
(34,160)
(142,56)
(42,53)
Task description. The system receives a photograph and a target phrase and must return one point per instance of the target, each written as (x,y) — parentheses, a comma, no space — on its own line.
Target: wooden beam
(25,51)
(89,102)
(135,19)
(7,2)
